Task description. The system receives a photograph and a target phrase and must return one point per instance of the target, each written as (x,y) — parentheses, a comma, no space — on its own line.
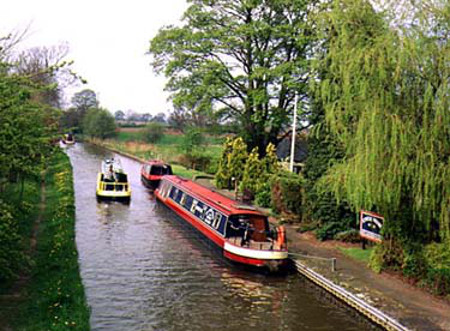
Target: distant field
(171,138)
(169,149)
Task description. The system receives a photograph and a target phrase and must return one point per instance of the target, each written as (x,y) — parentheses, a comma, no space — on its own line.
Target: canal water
(144,269)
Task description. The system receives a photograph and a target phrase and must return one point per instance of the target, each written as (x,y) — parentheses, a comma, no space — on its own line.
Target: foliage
(252,174)
(287,193)
(231,163)
(193,140)
(72,118)
(119,115)
(84,100)
(45,66)
(332,229)
(321,206)
(56,294)
(240,60)
(263,197)
(11,255)
(437,257)
(439,280)
(348,236)
(153,132)
(27,127)
(385,97)
(99,123)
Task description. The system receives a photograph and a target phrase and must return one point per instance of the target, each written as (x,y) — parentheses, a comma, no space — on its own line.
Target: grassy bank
(357,253)
(169,153)
(55,297)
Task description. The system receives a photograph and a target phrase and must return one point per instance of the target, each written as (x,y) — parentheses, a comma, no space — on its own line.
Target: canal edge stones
(372,313)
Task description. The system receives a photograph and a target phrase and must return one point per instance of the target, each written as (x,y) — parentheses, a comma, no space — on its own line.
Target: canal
(144,269)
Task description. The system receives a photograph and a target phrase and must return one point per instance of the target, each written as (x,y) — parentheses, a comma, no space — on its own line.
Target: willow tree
(386,97)
(243,59)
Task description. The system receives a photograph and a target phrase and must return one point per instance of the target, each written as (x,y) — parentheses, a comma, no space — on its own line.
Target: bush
(414,265)
(263,197)
(439,281)
(11,256)
(193,140)
(437,257)
(348,236)
(388,254)
(287,193)
(330,230)
(152,133)
(306,227)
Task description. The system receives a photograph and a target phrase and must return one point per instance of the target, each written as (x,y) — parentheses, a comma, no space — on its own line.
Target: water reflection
(145,269)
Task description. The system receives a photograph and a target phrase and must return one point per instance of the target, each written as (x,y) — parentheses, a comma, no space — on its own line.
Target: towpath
(412,306)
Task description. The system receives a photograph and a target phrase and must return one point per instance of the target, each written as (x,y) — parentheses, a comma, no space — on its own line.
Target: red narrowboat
(243,233)
(152,171)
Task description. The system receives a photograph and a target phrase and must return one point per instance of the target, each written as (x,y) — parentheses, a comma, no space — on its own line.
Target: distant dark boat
(152,172)
(243,233)
(68,139)
(112,182)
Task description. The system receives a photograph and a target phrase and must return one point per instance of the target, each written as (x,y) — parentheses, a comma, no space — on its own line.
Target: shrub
(439,281)
(192,141)
(153,132)
(348,236)
(263,196)
(437,256)
(388,254)
(287,193)
(329,230)
(413,263)
(305,227)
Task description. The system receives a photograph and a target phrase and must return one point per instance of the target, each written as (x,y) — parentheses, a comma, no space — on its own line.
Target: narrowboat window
(165,189)
(188,203)
(156,170)
(161,170)
(256,225)
(183,199)
(173,192)
(179,196)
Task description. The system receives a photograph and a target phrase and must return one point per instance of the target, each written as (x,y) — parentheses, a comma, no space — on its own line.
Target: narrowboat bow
(68,139)
(152,172)
(112,182)
(242,232)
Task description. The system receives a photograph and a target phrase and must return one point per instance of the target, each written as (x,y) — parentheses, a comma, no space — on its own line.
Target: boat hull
(151,183)
(111,190)
(273,260)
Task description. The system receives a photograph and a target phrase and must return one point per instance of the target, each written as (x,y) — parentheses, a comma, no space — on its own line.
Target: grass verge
(357,253)
(145,152)
(56,299)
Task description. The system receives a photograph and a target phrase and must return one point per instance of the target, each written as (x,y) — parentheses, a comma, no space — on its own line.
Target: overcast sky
(107,40)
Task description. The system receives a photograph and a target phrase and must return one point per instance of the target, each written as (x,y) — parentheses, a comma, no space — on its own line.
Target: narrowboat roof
(226,205)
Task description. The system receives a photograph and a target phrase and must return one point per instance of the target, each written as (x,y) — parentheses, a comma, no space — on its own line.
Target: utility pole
(294,124)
